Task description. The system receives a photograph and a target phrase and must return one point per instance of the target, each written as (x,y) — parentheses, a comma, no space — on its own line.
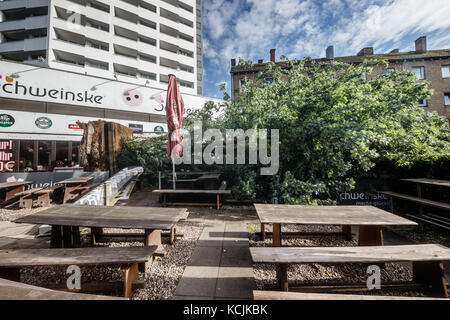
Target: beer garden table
(66,220)
(369,219)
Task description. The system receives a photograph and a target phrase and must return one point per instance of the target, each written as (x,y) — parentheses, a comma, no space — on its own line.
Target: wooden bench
(426,260)
(38,196)
(219,193)
(433,219)
(11,290)
(11,261)
(277,295)
(430,203)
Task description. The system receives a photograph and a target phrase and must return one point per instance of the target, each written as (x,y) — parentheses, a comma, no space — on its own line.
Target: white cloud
(298,28)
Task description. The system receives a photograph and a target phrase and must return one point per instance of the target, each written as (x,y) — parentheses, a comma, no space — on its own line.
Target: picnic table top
(5,185)
(76,180)
(107,217)
(328,215)
(11,290)
(435,182)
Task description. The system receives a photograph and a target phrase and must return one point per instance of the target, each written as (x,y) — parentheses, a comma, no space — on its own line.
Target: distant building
(429,65)
(131,40)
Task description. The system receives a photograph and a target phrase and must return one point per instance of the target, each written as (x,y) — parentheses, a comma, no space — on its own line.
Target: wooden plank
(5,185)
(77,256)
(431,203)
(435,182)
(375,254)
(107,217)
(188,191)
(10,290)
(328,215)
(28,192)
(76,180)
(277,295)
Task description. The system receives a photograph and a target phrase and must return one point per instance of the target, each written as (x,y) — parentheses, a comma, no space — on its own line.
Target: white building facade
(137,41)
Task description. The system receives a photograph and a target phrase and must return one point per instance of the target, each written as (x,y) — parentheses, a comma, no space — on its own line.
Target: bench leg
(282,277)
(12,274)
(276,235)
(56,237)
(173,230)
(130,275)
(76,239)
(370,236)
(347,231)
(432,274)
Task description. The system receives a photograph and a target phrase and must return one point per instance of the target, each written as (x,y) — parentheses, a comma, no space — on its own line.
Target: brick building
(429,65)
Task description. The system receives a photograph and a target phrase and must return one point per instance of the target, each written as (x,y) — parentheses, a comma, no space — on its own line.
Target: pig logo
(133,98)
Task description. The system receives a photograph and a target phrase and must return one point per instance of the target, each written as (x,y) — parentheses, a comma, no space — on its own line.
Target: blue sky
(298,28)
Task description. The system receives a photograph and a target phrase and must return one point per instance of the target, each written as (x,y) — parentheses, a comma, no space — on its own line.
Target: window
(149,76)
(419,71)
(144,57)
(445,71)
(447,98)
(422,103)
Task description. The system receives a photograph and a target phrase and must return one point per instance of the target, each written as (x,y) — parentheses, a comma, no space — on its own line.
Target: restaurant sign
(6,156)
(6,120)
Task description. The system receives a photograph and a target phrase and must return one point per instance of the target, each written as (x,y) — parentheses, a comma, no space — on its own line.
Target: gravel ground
(313,274)
(161,278)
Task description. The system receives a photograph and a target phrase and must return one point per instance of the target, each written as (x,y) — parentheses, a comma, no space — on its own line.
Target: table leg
(347,231)
(419,195)
(370,236)
(12,193)
(282,277)
(76,239)
(153,238)
(67,237)
(12,274)
(432,274)
(218,201)
(26,202)
(276,235)
(263,232)
(56,237)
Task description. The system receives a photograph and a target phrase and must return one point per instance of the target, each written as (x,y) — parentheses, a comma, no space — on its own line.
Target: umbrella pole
(173,172)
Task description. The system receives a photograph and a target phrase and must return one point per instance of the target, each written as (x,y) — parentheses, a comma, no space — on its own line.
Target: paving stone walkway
(220,266)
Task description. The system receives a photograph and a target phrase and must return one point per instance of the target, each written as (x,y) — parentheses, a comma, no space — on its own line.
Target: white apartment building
(136,41)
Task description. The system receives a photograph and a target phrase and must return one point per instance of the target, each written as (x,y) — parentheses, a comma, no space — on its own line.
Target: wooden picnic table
(12,188)
(369,219)
(66,220)
(73,184)
(434,182)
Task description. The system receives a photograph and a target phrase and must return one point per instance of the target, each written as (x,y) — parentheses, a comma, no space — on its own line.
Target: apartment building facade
(128,40)
(428,65)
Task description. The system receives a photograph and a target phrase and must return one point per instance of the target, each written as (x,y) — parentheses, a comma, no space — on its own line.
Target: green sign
(6,120)
(43,123)
(159,130)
